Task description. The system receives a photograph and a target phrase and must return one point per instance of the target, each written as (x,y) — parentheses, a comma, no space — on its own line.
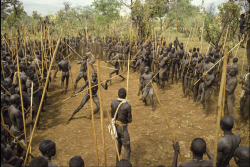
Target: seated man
(198,148)
(76,161)
(48,149)
(242,156)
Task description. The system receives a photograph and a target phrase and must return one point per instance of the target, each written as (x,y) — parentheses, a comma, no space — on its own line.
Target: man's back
(124,112)
(203,163)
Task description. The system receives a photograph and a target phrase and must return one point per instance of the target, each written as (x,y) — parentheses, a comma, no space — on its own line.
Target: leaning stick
(164,116)
(92,112)
(41,102)
(105,67)
(31,101)
(127,78)
(244,56)
(237,48)
(223,81)
(101,111)
(21,96)
(2,69)
(5,90)
(16,139)
(74,51)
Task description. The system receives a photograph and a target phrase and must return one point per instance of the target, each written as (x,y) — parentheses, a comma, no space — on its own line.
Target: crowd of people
(199,74)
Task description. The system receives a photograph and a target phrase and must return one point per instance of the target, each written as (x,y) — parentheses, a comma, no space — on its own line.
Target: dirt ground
(151,141)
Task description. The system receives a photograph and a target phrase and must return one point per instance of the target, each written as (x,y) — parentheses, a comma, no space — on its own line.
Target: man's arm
(81,89)
(231,87)
(112,110)
(129,114)
(105,85)
(136,65)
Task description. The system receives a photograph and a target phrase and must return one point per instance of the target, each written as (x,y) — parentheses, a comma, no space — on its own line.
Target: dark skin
(124,115)
(116,64)
(50,153)
(196,162)
(241,156)
(145,79)
(226,145)
(94,89)
(82,73)
(64,67)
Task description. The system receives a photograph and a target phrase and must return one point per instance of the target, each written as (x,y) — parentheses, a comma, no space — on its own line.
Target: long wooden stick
(41,102)
(101,111)
(244,56)
(92,112)
(223,81)
(21,96)
(16,139)
(2,69)
(164,116)
(31,101)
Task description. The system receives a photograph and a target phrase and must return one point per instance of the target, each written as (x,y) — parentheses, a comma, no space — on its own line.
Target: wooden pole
(244,56)
(41,102)
(92,112)
(165,116)
(5,90)
(21,96)
(31,101)
(16,139)
(223,82)
(101,111)
(2,69)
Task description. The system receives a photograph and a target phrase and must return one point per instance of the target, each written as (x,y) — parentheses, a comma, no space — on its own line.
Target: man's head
(84,58)
(216,55)
(233,72)
(242,156)
(235,60)
(248,68)
(122,93)
(172,50)
(48,147)
(210,48)
(194,49)
(123,163)
(15,99)
(38,162)
(242,16)
(226,123)
(147,69)
(206,58)
(181,46)
(198,147)
(94,76)
(8,81)
(76,161)
(176,38)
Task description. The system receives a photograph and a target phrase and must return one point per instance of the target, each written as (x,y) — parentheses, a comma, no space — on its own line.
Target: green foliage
(106,11)
(35,15)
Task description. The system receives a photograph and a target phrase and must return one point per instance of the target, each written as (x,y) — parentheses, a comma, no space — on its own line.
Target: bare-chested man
(121,113)
(242,156)
(231,84)
(116,64)
(16,118)
(227,144)
(64,67)
(94,89)
(145,79)
(82,72)
(198,148)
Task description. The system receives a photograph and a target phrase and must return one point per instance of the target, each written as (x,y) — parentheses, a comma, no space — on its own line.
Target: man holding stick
(82,72)
(94,89)
(64,67)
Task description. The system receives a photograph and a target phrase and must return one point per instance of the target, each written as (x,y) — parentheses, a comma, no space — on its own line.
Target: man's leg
(207,99)
(79,76)
(84,100)
(117,73)
(110,74)
(62,80)
(126,143)
(144,95)
(151,94)
(67,81)
(56,70)
(96,101)
(230,104)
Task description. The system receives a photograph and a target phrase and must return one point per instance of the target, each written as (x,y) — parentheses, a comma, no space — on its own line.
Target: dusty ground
(151,141)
